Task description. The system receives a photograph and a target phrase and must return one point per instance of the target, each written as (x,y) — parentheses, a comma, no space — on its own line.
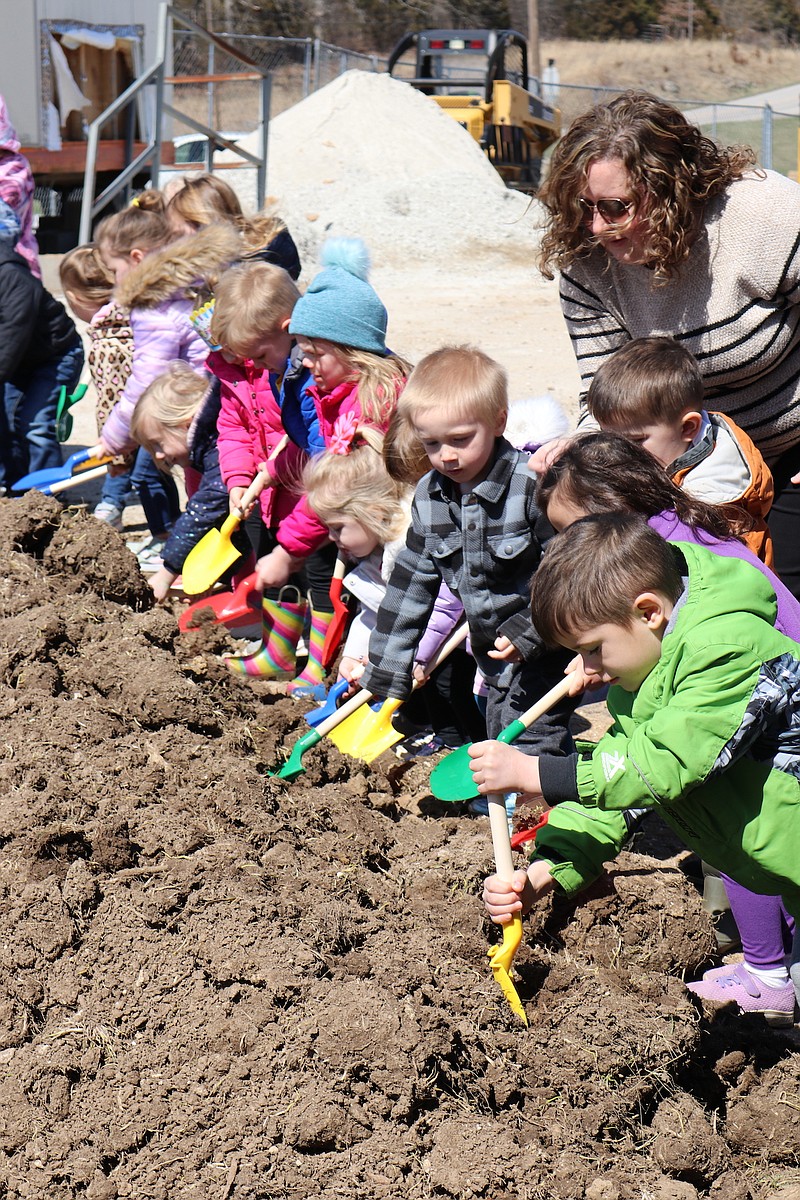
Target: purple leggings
(764,925)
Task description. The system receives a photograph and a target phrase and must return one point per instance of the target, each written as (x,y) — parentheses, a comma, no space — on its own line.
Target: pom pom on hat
(534,420)
(340,305)
(10,227)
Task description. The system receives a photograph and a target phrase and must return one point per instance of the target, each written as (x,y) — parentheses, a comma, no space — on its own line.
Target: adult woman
(656,230)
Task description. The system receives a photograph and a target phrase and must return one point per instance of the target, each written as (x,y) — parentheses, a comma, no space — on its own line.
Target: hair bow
(345,428)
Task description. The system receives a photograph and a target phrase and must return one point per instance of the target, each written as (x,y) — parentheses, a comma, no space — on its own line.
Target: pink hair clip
(344,432)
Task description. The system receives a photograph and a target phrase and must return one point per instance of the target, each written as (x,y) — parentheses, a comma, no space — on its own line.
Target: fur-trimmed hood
(183,267)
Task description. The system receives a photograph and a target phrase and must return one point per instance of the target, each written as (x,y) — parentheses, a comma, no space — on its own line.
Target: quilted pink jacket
(249,428)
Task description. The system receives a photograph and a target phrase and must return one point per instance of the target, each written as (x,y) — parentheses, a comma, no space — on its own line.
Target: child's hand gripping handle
(261,481)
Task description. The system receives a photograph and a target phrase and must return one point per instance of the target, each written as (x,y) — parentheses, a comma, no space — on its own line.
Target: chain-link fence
(300,66)
(772,135)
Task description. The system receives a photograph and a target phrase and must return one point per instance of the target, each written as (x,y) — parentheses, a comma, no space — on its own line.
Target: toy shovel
(82,477)
(502,954)
(77,463)
(236,609)
(294,765)
(63,415)
(451,779)
(370,733)
(333,637)
(215,552)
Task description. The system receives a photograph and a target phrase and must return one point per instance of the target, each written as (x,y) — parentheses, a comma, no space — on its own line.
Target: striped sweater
(735,303)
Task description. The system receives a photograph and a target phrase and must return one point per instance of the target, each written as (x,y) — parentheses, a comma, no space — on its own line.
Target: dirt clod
(214,983)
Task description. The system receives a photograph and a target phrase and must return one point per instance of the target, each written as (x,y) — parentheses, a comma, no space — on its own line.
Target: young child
(603,473)
(40,352)
(346,377)
(176,421)
(475,525)
(704,694)
(155,282)
(206,200)
(340,327)
(88,287)
(651,391)
(250,322)
(367,513)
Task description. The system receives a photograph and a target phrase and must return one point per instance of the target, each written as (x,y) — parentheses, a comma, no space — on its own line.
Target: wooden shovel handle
(346,710)
(74,480)
(501,839)
(339,572)
(558,692)
(261,481)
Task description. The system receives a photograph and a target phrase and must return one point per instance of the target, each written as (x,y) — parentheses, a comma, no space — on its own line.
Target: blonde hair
(172,400)
(461,379)
(206,199)
(357,485)
(381,378)
(83,273)
(250,301)
(403,454)
(141,226)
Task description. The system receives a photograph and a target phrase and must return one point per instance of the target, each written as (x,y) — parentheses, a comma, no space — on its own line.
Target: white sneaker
(148,554)
(149,557)
(110,514)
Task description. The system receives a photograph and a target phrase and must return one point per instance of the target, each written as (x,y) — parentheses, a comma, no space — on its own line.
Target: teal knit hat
(339,305)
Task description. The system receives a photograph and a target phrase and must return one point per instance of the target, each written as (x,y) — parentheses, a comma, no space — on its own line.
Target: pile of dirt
(214,984)
(368,156)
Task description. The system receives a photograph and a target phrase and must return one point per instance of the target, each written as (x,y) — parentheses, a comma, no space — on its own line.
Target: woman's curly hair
(671,164)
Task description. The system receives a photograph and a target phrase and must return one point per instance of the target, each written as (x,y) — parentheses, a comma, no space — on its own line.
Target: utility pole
(534,56)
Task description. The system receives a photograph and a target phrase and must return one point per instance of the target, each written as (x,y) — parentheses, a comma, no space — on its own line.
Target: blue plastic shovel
(50,475)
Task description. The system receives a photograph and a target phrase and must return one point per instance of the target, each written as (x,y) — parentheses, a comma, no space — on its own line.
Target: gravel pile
(369,156)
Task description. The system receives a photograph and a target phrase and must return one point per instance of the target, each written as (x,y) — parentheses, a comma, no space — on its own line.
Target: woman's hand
(497,767)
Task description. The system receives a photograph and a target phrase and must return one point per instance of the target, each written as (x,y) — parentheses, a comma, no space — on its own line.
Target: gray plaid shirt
(485,545)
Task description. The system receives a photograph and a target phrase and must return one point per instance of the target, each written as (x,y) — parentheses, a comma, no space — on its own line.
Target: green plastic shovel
(451,779)
(294,763)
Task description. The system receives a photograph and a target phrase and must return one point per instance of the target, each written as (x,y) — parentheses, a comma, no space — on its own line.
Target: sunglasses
(613,212)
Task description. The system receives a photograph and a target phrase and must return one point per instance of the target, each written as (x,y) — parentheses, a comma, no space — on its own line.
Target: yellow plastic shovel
(502,955)
(215,552)
(367,734)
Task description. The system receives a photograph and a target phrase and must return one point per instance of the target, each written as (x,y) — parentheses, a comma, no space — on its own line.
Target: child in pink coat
(335,386)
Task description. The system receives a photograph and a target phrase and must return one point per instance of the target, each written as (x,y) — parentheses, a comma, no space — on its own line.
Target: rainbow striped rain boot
(282,624)
(310,683)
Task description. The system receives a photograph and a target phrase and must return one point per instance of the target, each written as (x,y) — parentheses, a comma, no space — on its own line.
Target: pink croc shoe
(775,1005)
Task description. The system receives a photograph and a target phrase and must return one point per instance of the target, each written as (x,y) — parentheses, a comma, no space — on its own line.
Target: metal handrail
(91,206)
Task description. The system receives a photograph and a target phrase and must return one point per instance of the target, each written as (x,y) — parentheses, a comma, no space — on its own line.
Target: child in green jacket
(705,696)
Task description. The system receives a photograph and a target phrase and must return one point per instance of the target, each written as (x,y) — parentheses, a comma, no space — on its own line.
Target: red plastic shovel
(236,609)
(335,633)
